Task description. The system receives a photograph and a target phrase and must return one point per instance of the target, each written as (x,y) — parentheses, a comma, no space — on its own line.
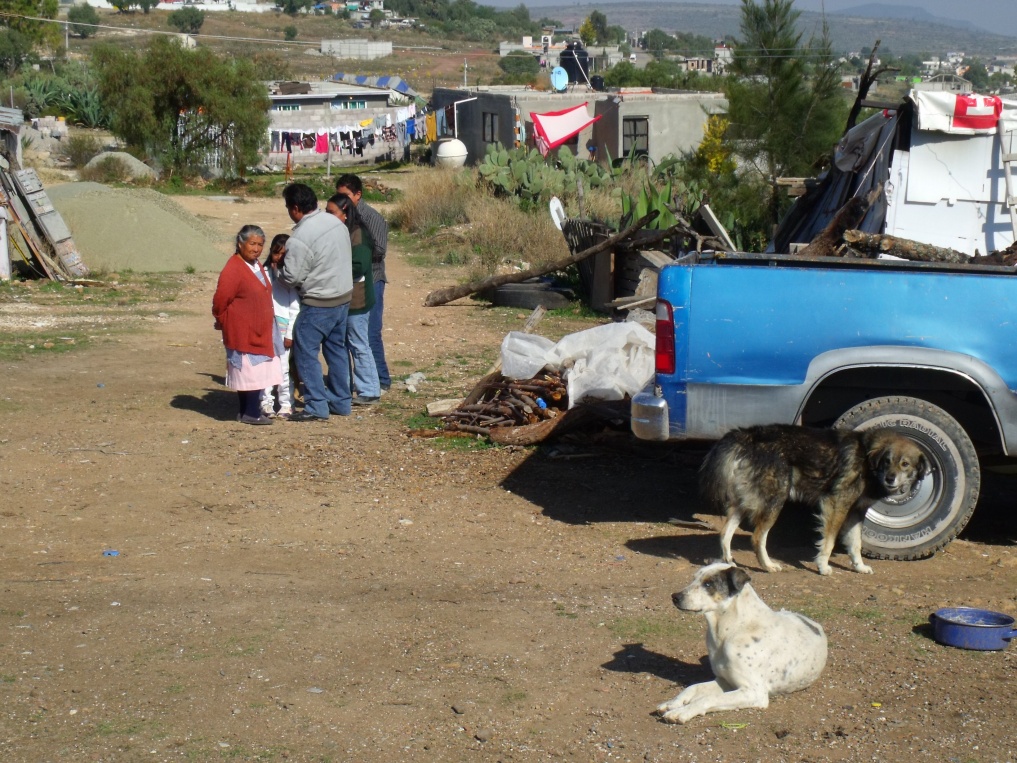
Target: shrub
(80,149)
(84,20)
(520,63)
(290,33)
(186,20)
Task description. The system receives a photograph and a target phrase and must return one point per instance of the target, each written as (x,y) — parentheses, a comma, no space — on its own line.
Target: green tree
(622,74)
(376,16)
(186,20)
(295,7)
(21,16)
(520,68)
(657,43)
(83,19)
(785,101)
(128,6)
(15,49)
(587,33)
(599,22)
(177,106)
(290,33)
(617,34)
(976,74)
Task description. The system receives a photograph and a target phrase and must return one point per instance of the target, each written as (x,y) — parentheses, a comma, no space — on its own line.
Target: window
(286,107)
(490,127)
(343,105)
(636,135)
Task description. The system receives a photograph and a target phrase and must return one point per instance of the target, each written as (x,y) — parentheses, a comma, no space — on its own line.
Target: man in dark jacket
(351,186)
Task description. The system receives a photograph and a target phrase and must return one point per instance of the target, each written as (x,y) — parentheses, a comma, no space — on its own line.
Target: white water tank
(450,153)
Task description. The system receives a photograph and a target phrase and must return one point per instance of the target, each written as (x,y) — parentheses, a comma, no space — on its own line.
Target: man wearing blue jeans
(318,263)
(350,185)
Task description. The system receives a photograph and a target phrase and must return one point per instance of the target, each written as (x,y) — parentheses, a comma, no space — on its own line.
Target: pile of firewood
(510,403)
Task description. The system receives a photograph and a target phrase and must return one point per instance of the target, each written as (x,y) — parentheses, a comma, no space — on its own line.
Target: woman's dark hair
(349,209)
(278,242)
(300,196)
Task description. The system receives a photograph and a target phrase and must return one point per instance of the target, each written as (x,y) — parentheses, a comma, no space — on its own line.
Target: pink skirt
(250,377)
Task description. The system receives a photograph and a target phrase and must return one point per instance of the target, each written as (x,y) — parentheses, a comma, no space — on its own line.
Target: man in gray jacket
(319,264)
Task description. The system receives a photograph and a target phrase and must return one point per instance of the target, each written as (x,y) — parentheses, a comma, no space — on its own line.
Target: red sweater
(243,310)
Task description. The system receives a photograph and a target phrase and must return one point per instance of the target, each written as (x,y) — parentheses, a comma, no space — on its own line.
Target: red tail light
(665,338)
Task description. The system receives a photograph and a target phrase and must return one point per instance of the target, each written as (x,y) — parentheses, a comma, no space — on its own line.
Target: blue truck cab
(929,349)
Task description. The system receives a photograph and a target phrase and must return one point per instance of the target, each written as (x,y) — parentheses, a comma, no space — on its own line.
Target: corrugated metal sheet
(11,117)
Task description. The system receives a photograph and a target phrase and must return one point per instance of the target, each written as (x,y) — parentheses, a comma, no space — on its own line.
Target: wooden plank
(656,257)
(624,303)
(602,290)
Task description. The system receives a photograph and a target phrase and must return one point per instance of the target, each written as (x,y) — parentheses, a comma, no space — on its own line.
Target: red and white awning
(556,127)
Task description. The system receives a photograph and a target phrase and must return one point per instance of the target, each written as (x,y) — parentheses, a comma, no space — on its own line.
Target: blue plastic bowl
(971,628)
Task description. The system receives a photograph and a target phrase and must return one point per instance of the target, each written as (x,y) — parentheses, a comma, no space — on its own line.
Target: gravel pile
(136,229)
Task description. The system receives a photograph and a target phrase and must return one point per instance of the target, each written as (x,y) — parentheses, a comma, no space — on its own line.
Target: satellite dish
(559,79)
(558,215)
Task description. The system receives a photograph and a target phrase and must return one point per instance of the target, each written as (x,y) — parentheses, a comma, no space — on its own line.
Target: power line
(758,54)
(227,38)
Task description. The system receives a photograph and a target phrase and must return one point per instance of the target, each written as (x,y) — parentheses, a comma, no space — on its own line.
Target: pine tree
(785,102)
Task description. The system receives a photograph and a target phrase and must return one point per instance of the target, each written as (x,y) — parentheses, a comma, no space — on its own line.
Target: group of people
(320,289)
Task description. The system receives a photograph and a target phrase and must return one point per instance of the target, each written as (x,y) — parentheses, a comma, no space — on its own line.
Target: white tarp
(606,362)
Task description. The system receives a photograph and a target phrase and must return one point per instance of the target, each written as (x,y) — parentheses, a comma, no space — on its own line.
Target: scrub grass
(460,224)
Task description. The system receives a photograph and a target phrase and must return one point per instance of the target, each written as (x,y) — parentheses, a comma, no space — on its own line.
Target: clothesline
(354,137)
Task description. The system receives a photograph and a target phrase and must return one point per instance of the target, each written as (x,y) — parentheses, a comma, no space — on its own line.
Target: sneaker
(362,400)
(257,421)
(284,414)
(304,416)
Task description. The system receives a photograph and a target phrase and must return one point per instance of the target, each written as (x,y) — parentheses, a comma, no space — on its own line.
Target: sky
(997,15)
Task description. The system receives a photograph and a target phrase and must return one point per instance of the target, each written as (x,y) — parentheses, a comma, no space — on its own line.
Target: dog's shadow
(702,548)
(635,658)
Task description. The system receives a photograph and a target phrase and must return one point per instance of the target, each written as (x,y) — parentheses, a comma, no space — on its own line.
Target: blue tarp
(388,82)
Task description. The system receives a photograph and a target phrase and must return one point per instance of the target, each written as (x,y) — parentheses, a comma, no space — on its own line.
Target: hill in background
(908,33)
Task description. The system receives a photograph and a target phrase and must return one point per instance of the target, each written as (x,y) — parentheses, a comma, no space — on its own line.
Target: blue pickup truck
(929,349)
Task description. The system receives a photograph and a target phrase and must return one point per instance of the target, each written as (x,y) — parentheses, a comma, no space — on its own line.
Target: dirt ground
(345,592)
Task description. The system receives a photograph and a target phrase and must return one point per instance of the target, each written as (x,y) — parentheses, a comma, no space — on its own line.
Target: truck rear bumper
(650,420)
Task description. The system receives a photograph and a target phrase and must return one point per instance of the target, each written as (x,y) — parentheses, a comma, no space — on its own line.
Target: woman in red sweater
(243,311)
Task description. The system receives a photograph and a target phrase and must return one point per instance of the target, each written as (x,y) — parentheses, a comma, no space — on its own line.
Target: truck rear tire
(939,507)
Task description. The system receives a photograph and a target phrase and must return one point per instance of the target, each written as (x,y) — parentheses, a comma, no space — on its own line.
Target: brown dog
(751,473)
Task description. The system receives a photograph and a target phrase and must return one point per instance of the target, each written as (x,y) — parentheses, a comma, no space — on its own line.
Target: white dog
(755,652)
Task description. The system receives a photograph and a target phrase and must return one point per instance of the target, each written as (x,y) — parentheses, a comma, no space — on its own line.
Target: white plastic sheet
(523,356)
(606,362)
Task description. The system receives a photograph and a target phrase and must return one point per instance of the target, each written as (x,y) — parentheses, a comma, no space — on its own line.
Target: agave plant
(83,106)
(40,93)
